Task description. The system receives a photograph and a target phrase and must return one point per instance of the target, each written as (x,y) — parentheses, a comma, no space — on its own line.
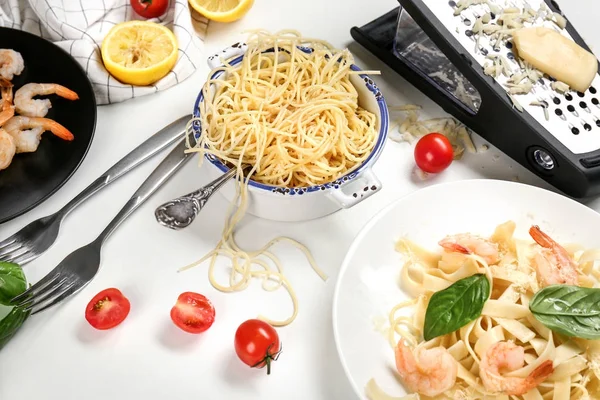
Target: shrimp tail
(60,131)
(540,374)
(536,377)
(540,237)
(454,247)
(5,83)
(6,114)
(66,93)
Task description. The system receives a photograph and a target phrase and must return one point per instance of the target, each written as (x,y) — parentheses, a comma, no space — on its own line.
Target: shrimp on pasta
(552,262)
(428,371)
(504,352)
(471,244)
(510,357)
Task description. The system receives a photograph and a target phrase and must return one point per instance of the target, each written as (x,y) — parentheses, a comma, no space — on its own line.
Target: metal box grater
(554,134)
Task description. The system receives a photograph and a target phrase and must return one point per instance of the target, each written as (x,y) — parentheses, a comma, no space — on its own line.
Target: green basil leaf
(568,310)
(457,305)
(12,282)
(10,324)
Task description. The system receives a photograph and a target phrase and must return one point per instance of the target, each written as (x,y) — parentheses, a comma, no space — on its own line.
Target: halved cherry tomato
(150,8)
(107,309)
(433,153)
(193,312)
(257,344)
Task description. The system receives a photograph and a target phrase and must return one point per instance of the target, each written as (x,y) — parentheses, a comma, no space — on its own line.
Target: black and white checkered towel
(78,26)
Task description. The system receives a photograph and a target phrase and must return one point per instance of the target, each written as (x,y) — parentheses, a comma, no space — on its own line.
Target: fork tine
(26,258)
(7,241)
(8,249)
(35,289)
(22,251)
(68,291)
(47,291)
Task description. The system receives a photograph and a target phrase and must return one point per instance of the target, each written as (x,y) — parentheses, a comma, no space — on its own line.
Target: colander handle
(218,59)
(347,198)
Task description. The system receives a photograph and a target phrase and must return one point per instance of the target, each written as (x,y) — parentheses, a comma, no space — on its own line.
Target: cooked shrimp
(7,149)
(6,89)
(27,131)
(428,371)
(470,244)
(6,115)
(507,356)
(28,140)
(11,63)
(30,107)
(7,110)
(552,263)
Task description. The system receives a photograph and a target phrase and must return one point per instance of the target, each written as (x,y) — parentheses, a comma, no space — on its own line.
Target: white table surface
(57,355)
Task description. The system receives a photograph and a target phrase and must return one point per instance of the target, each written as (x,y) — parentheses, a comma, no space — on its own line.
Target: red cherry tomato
(149,8)
(257,344)
(193,312)
(107,309)
(433,153)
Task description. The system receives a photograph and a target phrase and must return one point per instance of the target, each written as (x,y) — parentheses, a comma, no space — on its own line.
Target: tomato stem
(268,365)
(269,357)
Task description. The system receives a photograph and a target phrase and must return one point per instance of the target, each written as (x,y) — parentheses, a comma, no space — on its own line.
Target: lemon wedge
(139,52)
(222,10)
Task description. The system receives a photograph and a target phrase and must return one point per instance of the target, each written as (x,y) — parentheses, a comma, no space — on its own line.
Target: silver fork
(78,268)
(34,239)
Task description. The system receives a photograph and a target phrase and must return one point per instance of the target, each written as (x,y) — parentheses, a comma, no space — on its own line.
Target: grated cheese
(411,128)
(521,88)
(517,78)
(560,87)
(442,76)
(515,103)
(523,77)
(544,106)
(558,19)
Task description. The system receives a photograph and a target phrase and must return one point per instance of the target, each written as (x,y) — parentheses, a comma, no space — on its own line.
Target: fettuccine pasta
(505,353)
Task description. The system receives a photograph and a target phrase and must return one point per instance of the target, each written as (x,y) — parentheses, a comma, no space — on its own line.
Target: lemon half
(222,10)
(139,52)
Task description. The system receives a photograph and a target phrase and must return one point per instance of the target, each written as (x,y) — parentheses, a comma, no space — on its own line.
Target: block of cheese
(557,56)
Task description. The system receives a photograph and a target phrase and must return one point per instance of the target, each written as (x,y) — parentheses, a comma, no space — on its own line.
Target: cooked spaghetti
(291,114)
(292,117)
(505,353)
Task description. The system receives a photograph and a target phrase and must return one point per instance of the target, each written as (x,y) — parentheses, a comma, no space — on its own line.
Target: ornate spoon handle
(181,212)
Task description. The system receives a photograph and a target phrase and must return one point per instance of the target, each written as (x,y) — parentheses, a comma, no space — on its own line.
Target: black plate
(33,177)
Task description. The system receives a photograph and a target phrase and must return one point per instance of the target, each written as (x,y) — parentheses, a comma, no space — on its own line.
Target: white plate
(368,288)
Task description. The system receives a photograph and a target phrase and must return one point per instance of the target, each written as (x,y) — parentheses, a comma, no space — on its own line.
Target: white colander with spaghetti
(341,178)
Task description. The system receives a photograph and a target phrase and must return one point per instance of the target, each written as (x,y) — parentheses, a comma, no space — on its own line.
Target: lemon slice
(222,10)
(139,52)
